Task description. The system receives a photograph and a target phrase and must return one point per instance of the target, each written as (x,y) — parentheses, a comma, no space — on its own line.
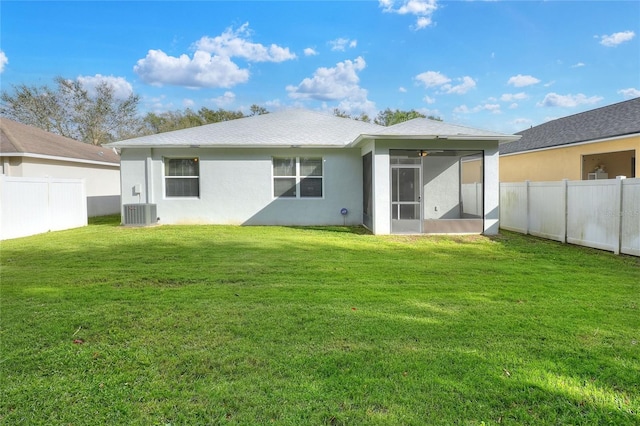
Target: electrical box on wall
(137,189)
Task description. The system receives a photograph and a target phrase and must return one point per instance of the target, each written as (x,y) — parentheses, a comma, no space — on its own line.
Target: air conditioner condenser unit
(140,214)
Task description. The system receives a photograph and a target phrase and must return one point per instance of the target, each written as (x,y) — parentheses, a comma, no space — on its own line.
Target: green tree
(341,113)
(389,117)
(211,116)
(258,110)
(69,110)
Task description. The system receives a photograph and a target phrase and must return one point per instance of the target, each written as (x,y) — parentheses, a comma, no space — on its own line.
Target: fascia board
(229,146)
(55,158)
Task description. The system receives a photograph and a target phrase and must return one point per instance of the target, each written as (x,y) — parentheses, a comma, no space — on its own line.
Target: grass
(186,325)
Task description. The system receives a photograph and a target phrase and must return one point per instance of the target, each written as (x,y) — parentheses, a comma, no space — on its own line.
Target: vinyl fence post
(617,215)
(49,196)
(565,209)
(528,204)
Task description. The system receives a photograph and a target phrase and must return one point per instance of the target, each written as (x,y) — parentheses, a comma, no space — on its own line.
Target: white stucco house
(298,167)
(30,152)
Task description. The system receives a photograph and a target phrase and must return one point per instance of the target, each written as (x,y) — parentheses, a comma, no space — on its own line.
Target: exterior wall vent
(140,214)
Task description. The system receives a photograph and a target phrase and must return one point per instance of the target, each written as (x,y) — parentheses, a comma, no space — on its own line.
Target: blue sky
(497,65)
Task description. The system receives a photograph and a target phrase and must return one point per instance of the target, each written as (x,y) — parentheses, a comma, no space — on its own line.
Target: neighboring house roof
(278,129)
(301,128)
(607,122)
(20,140)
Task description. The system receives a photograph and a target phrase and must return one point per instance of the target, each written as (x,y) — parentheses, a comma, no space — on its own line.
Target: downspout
(148,193)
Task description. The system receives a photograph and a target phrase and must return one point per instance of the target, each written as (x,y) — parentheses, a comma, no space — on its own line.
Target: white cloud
(463,109)
(122,89)
(158,105)
(467,83)
(513,105)
(432,79)
(510,97)
(522,80)
(236,44)
(422,22)
(3,60)
(330,84)
(429,100)
(273,104)
(341,44)
(340,83)
(629,93)
(188,103)
(568,101)
(211,64)
(310,52)
(522,122)
(402,90)
(578,65)
(224,100)
(422,9)
(203,70)
(436,79)
(616,38)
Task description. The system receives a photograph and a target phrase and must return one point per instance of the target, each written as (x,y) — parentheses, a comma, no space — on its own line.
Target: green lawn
(188,325)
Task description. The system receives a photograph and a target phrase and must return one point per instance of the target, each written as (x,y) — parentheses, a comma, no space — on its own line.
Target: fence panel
(513,207)
(67,204)
(547,201)
(472,199)
(30,206)
(630,217)
(592,213)
(603,214)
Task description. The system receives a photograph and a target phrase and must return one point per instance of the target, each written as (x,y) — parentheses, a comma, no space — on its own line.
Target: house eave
(499,139)
(225,146)
(57,158)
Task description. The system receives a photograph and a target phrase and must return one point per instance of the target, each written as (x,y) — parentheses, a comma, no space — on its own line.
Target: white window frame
(298,177)
(165,177)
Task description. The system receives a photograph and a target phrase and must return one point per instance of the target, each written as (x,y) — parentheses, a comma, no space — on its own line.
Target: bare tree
(69,110)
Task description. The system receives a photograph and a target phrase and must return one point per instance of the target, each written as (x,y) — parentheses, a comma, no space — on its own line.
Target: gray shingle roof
(293,127)
(296,127)
(20,139)
(429,127)
(618,119)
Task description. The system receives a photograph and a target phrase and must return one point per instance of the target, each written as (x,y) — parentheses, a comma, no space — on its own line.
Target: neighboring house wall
(236,187)
(102,182)
(566,162)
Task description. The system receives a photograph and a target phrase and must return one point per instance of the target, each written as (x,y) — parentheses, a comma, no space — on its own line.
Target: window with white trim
(298,177)
(182,177)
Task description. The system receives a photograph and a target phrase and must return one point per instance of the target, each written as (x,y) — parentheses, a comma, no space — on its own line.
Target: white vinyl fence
(603,214)
(30,206)
(472,199)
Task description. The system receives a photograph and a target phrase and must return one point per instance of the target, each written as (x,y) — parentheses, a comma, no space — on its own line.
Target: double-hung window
(297,177)
(182,177)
